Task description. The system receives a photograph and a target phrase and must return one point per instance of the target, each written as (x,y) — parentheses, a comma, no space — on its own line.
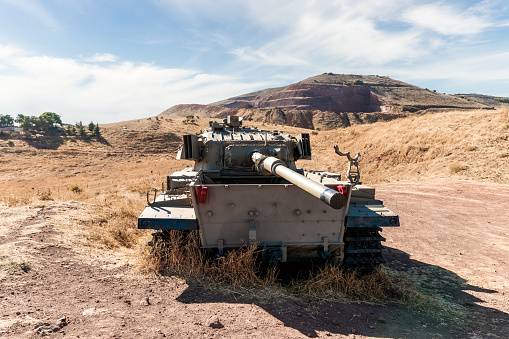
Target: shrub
(504,100)
(358,82)
(76,189)
(456,168)
(10,142)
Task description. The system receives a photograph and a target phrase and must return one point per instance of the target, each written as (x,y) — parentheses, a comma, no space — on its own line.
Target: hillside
(488,100)
(68,214)
(336,93)
(459,144)
(329,101)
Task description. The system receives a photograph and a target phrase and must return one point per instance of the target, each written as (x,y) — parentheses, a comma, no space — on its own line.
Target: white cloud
(101,57)
(331,33)
(103,92)
(303,33)
(446,19)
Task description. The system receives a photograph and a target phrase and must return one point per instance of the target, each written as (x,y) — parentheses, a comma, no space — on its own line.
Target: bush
(10,142)
(76,189)
(456,168)
(504,100)
(358,82)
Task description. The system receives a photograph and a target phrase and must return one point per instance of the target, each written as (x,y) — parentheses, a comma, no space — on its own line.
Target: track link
(363,248)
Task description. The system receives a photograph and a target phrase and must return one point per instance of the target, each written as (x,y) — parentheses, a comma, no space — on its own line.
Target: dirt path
(453,239)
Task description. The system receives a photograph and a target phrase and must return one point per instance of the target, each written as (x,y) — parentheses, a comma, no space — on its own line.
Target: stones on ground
(62,321)
(93,311)
(381,320)
(214,322)
(47,328)
(145,302)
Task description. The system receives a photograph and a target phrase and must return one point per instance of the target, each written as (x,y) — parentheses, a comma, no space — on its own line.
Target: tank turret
(245,188)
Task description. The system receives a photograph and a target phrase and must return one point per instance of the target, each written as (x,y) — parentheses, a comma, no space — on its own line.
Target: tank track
(363,248)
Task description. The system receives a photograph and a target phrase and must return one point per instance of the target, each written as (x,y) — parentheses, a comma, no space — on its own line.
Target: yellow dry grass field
(462,145)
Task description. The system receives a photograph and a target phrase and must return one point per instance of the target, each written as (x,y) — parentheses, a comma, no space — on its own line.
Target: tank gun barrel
(267,165)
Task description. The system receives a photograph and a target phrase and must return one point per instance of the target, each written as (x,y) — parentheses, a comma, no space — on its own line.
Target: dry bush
(178,252)
(115,226)
(17,267)
(335,282)
(17,200)
(44,195)
(76,189)
(240,268)
(456,168)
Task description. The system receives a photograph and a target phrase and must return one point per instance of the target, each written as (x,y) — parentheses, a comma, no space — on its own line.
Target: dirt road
(453,241)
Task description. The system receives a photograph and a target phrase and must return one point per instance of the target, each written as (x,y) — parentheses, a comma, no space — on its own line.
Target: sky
(116,60)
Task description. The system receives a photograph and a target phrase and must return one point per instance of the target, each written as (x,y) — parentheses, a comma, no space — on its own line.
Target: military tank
(245,189)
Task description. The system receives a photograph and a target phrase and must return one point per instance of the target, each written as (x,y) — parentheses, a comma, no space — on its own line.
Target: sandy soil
(453,240)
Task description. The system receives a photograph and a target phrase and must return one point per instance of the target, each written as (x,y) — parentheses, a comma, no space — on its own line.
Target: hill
(489,100)
(330,101)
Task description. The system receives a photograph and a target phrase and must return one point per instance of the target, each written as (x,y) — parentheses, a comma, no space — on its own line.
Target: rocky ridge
(330,101)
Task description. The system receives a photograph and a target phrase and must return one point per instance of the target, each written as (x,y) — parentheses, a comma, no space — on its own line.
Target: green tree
(91,126)
(49,120)
(358,82)
(80,129)
(27,123)
(96,130)
(19,118)
(6,120)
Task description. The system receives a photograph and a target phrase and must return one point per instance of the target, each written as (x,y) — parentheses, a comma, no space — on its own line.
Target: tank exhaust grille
(303,146)
(190,147)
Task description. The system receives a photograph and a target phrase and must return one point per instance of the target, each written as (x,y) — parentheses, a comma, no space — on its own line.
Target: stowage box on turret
(245,189)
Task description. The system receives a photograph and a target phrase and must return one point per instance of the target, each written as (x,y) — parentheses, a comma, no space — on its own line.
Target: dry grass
(460,144)
(240,269)
(239,272)
(337,283)
(115,226)
(180,254)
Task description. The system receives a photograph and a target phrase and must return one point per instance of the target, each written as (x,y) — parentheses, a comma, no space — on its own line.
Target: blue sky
(115,60)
